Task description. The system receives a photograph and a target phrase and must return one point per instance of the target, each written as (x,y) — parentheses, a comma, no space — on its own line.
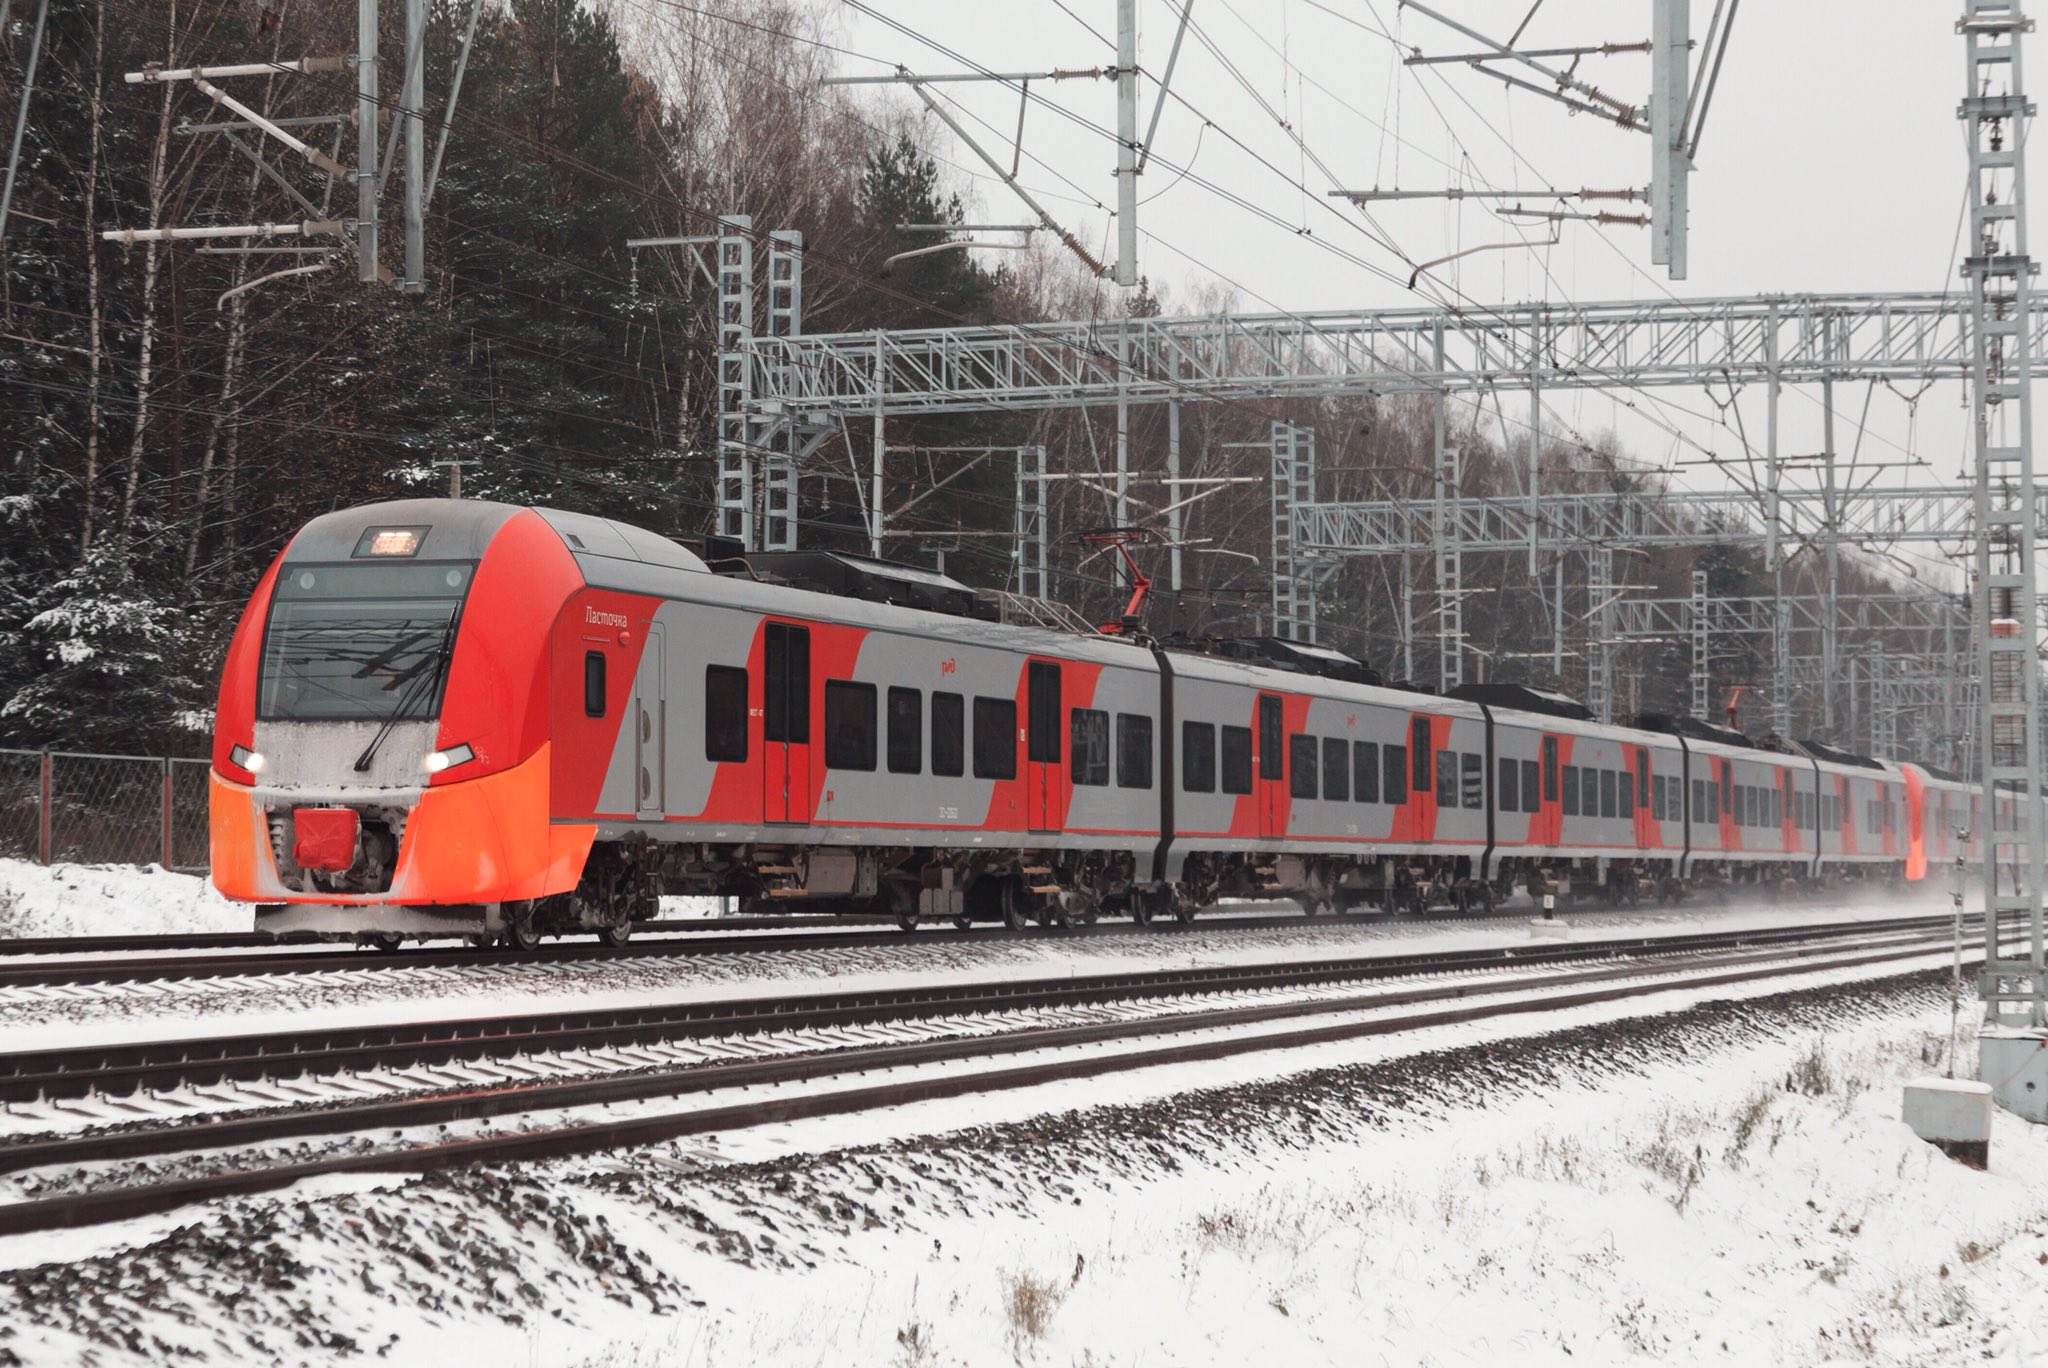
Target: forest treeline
(165,430)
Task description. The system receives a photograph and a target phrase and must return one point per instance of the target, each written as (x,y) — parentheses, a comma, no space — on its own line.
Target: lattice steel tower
(1994,112)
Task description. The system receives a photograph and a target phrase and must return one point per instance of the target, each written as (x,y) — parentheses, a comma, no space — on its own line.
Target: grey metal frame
(1994,111)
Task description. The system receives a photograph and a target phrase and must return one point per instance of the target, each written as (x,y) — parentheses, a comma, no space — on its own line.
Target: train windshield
(360,642)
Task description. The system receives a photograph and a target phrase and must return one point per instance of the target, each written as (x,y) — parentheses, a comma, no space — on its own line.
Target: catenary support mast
(1999,272)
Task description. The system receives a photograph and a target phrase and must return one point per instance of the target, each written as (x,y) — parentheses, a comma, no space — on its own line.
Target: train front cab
(381,758)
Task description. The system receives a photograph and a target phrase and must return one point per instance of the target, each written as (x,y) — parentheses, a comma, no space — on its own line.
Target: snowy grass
(1718,1185)
(111,900)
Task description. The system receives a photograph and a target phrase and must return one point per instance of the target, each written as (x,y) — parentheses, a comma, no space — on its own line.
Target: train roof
(1522,699)
(622,555)
(862,577)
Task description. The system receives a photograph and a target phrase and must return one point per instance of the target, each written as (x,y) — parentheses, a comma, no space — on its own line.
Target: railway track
(398,1078)
(256,940)
(49,962)
(336,959)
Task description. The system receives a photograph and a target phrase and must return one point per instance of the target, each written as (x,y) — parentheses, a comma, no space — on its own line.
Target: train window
(1301,764)
(1777,817)
(786,684)
(1237,760)
(1418,754)
(1133,751)
(1395,772)
(949,735)
(1091,746)
(1643,777)
(1365,771)
(995,738)
(1336,769)
(1507,790)
(593,683)
(1271,729)
(849,725)
(1529,789)
(725,713)
(1571,790)
(1657,797)
(1042,703)
(1549,769)
(1472,766)
(1198,756)
(1607,793)
(1728,788)
(1627,783)
(906,731)
(1446,779)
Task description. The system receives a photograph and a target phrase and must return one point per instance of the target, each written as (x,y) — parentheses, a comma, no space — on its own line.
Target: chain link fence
(103,809)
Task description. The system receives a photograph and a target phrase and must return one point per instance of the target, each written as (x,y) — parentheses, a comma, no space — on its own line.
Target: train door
(1272,780)
(786,723)
(650,730)
(1045,779)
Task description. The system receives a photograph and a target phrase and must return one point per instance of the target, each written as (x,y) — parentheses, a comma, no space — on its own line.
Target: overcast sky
(1832,161)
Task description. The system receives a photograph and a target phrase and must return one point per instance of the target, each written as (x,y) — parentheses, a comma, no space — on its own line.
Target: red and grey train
(457,717)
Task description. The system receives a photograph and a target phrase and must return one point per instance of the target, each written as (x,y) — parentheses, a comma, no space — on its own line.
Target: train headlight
(436,761)
(250,760)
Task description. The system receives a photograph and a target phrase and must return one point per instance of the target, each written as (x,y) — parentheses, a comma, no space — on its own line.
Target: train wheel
(387,944)
(482,940)
(1013,905)
(617,934)
(1141,907)
(522,928)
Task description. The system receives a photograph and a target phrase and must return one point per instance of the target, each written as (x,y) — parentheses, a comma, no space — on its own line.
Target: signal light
(391,541)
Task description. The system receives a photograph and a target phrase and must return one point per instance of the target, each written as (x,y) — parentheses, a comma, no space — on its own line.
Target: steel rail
(554,1142)
(259,940)
(797,936)
(115,1070)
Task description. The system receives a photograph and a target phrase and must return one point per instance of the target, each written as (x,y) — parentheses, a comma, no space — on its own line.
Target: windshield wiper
(424,683)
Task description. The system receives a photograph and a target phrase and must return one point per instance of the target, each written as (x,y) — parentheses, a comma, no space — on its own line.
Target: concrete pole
(412,95)
(1176,515)
(1126,142)
(366,140)
(875,514)
(1830,639)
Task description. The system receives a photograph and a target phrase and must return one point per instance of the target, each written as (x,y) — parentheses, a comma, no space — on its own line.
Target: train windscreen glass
(359,642)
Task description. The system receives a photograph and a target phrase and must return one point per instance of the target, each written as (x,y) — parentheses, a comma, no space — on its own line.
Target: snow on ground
(1705,1186)
(111,900)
